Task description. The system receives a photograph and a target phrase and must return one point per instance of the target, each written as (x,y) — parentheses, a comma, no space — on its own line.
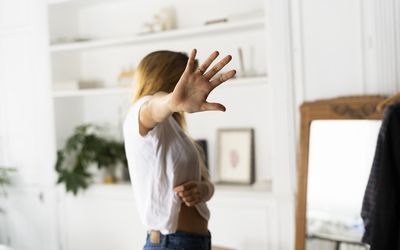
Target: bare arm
(209,190)
(154,111)
(194,192)
(190,93)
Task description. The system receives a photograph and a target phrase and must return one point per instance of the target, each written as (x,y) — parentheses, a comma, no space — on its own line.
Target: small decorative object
(109,177)
(236,156)
(237,17)
(126,76)
(84,149)
(216,21)
(164,20)
(167,17)
(247,71)
(90,84)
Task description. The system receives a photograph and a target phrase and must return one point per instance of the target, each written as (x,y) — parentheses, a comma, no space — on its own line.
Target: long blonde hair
(160,71)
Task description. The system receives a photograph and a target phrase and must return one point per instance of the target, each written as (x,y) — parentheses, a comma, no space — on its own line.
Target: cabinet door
(29,219)
(102,218)
(4,232)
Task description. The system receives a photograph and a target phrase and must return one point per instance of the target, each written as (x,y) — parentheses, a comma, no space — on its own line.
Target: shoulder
(131,122)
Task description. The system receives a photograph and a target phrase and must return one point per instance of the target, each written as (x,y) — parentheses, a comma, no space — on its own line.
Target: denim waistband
(194,235)
(181,239)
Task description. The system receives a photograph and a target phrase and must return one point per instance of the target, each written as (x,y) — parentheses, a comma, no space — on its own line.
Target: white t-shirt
(158,162)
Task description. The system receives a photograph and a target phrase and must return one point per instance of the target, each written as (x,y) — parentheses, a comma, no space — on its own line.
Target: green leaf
(82,149)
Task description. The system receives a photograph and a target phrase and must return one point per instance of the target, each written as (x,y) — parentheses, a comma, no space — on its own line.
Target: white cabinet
(105,217)
(30,216)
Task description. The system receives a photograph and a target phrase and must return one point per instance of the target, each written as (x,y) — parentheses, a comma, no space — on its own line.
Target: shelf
(75,2)
(118,90)
(55,2)
(91,92)
(161,36)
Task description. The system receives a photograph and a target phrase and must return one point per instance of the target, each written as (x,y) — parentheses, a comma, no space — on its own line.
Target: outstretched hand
(191,91)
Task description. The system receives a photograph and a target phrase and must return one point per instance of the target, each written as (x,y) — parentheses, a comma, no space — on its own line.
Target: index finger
(191,61)
(184,187)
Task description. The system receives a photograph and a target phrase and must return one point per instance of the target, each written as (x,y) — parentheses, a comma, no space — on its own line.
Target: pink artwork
(234,158)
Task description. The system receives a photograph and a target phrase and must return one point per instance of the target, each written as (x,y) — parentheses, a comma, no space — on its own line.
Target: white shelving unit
(155,37)
(116,44)
(109,51)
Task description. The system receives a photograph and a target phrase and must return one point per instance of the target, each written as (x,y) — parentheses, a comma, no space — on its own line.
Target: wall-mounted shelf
(126,90)
(91,92)
(75,2)
(162,36)
(55,2)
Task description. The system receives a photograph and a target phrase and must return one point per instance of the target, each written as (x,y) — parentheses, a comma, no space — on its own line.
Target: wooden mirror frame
(342,108)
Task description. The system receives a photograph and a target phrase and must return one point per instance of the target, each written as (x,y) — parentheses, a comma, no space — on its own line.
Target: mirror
(339,163)
(337,147)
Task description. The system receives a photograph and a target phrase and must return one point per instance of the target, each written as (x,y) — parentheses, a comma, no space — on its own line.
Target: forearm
(209,190)
(156,110)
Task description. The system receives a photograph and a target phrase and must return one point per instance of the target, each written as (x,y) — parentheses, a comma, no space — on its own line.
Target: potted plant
(83,149)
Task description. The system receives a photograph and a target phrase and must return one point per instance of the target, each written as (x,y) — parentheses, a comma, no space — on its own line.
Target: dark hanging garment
(381,206)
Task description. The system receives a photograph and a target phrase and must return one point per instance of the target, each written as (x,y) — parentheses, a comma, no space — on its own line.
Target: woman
(168,173)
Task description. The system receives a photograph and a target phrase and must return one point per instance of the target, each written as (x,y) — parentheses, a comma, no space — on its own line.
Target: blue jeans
(180,241)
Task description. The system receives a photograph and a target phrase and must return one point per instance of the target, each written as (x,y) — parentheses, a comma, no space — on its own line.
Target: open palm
(191,91)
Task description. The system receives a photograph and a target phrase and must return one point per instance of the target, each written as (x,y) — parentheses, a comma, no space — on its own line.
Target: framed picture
(236,156)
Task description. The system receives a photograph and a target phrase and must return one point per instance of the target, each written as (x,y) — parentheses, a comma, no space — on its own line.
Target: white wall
(26,127)
(344,48)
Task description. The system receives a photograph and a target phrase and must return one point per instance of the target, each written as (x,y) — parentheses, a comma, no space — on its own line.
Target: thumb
(208,106)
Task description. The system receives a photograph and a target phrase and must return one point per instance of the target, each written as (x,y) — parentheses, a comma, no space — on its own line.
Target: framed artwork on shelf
(236,156)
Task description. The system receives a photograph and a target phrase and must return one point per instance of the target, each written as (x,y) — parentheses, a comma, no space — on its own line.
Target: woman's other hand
(191,92)
(193,192)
